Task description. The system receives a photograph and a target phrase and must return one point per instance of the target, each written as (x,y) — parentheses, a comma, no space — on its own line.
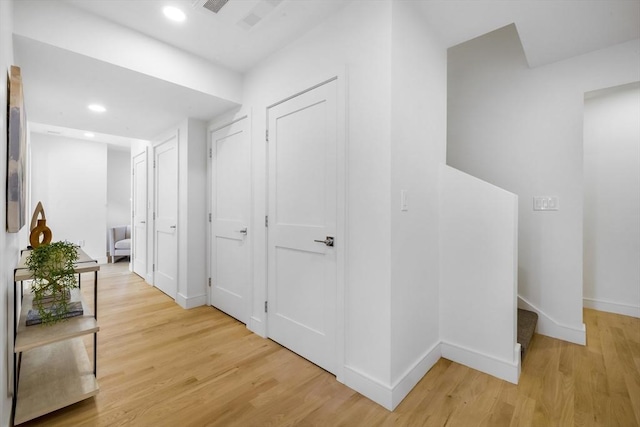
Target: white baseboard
(504,369)
(191,302)
(612,307)
(369,387)
(408,381)
(549,327)
(257,326)
(390,396)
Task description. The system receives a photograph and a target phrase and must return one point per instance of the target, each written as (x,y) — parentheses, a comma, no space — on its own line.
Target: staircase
(526,327)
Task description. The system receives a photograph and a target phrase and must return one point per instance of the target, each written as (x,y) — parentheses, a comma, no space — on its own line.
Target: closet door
(230,210)
(165,163)
(302,232)
(139,215)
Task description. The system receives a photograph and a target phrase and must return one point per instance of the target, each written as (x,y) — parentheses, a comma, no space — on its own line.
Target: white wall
(357,38)
(9,242)
(192,218)
(118,186)
(69,177)
(612,200)
(192,210)
(521,129)
(396,109)
(478,289)
(418,141)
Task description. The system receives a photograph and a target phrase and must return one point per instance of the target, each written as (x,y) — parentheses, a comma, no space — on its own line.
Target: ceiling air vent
(259,12)
(214,5)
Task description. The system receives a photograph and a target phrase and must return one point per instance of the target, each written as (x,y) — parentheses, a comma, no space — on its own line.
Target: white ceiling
(219,37)
(60,83)
(550,30)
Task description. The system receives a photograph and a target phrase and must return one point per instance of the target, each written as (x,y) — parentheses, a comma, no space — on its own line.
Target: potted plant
(54,277)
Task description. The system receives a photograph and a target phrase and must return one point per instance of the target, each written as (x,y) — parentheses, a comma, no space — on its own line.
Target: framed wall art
(16,153)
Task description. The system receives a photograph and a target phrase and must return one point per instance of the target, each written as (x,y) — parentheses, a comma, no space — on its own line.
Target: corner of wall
(257,326)
(369,387)
(390,396)
(408,381)
(187,302)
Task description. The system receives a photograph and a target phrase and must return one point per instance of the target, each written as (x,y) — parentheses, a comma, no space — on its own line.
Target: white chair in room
(119,242)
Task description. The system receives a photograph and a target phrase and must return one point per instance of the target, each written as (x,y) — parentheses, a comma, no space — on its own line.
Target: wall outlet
(546,203)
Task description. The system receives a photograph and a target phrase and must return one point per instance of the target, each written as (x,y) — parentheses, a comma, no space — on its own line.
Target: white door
(230,210)
(139,232)
(302,283)
(165,275)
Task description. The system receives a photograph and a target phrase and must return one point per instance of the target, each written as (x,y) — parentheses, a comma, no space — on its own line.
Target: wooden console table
(51,367)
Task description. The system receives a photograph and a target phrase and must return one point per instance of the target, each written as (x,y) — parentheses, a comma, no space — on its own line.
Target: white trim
(612,307)
(390,396)
(257,326)
(368,387)
(342,217)
(191,302)
(227,118)
(413,375)
(549,327)
(508,370)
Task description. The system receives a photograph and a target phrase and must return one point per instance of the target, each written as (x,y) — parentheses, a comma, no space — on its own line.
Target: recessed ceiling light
(174,13)
(96,108)
(89,134)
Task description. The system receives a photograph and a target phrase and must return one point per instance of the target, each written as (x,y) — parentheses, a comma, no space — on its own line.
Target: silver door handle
(172,226)
(143,222)
(243,231)
(328,241)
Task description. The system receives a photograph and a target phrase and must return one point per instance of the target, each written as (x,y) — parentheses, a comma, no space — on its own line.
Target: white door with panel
(230,211)
(302,240)
(165,158)
(139,215)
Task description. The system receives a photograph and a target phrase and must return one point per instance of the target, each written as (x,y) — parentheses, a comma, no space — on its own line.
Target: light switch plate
(546,203)
(404,201)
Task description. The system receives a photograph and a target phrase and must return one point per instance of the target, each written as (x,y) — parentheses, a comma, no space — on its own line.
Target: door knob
(143,222)
(243,231)
(172,226)
(328,241)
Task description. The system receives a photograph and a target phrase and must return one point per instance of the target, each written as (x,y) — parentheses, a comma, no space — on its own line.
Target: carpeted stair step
(527,321)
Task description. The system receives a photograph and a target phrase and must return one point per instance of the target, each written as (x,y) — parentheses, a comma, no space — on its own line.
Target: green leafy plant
(54,277)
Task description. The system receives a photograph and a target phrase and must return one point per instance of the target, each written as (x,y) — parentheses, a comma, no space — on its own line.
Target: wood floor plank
(160,365)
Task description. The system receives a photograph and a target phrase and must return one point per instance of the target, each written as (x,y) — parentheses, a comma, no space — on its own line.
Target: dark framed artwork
(16,153)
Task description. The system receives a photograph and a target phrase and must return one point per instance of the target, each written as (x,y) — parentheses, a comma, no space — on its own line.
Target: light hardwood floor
(160,365)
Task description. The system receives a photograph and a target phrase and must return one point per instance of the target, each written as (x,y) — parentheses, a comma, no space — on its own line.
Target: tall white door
(230,210)
(302,240)
(165,157)
(139,226)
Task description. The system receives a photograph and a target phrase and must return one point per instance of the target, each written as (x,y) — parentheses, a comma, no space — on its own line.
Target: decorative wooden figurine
(40,233)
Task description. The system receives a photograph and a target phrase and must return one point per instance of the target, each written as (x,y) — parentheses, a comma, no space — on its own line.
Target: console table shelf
(51,365)
(29,337)
(52,377)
